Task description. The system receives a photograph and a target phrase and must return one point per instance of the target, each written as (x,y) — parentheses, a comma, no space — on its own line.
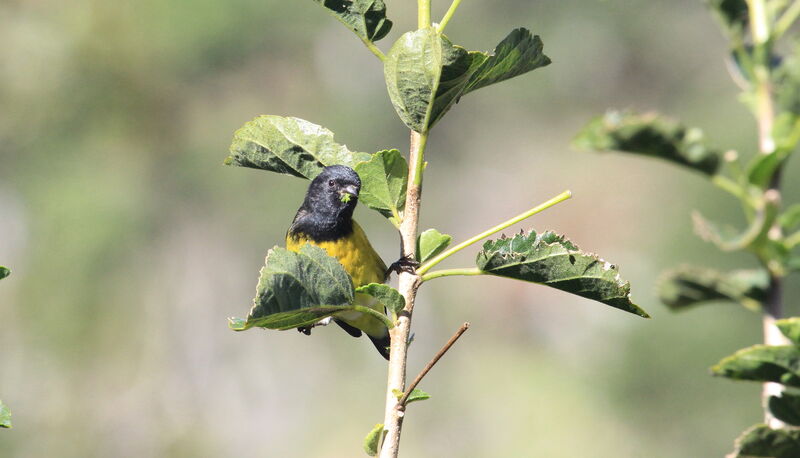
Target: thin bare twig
(401,404)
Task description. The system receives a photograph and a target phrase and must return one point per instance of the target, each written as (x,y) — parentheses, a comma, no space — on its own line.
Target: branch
(765,117)
(408,283)
(401,404)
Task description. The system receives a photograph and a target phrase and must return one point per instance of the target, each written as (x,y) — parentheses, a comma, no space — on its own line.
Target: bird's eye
(331,182)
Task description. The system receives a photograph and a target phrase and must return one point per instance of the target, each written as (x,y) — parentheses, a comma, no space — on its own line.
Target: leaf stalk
(469,271)
(374,49)
(522,216)
(449,15)
(787,19)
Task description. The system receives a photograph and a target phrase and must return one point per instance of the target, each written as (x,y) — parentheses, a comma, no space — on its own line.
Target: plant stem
(451,273)
(765,117)
(408,283)
(449,15)
(787,19)
(401,404)
(765,112)
(730,186)
(371,46)
(447,253)
(423,13)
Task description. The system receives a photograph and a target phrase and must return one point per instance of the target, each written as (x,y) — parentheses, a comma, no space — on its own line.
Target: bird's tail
(382,344)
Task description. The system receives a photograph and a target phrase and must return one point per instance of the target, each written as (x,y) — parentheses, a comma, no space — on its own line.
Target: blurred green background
(131,243)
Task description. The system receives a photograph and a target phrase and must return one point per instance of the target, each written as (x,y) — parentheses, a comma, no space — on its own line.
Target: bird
(325,219)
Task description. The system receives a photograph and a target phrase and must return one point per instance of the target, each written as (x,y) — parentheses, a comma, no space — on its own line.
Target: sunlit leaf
(373,439)
(762,363)
(383,182)
(4,272)
(430,243)
(519,52)
(785,408)
(416,395)
(688,286)
(649,135)
(289,145)
(426,74)
(552,260)
(385,294)
(761,441)
(367,18)
(5,416)
(790,327)
(298,289)
(415,66)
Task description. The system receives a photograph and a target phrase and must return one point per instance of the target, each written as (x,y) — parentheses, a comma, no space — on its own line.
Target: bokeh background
(131,243)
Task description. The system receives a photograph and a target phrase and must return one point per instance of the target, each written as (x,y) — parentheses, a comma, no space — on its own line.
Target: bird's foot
(404,264)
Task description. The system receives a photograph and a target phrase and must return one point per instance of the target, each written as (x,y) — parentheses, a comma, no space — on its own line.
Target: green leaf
(5,416)
(4,272)
(552,260)
(417,395)
(786,408)
(385,294)
(415,66)
(688,286)
(383,183)
(761,441)
(790,327)
(298,289)
(289,145)
(430,243)
(732,14)
(649,135)
(762,363)
(367,18)
(426,74)
(519,52)
(373,439)
(761,169)
(790,218)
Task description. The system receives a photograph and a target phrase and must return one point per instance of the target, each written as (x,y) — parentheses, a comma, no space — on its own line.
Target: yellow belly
(363,264)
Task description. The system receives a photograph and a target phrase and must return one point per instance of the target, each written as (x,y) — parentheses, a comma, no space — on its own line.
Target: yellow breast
(354,252)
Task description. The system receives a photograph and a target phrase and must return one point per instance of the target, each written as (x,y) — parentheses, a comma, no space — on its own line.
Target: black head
(329,204)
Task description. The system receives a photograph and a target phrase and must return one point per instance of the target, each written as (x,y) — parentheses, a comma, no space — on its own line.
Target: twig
(401,404)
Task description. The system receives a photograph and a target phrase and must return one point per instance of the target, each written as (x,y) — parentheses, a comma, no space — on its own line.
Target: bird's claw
(404,264)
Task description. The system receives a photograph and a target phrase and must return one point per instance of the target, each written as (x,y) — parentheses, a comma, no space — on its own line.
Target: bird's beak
(349,190)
